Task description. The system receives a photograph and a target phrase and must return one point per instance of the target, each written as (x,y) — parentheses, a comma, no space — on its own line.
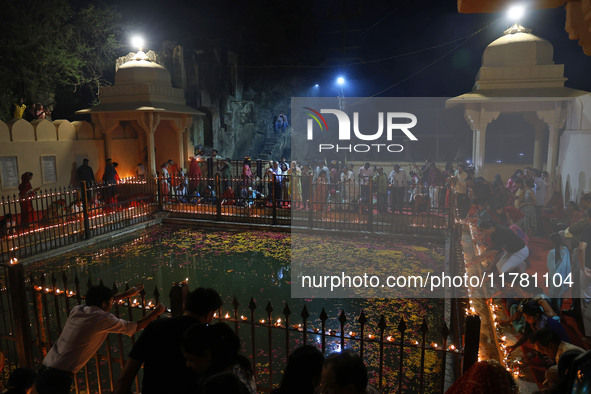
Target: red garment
(194,174)
(435,177)
(320,195)
(484,377)
(514,213)
(25,194)
(228,197)
(173,170)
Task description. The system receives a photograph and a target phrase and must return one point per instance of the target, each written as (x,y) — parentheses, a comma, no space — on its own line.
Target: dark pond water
(257,265)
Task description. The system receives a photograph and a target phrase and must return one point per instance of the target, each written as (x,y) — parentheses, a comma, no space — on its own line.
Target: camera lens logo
(315,115)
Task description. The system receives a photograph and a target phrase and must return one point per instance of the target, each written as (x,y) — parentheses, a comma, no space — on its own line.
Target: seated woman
(228,197)
(209,196)
(536,320)
(571,215)
(515,306)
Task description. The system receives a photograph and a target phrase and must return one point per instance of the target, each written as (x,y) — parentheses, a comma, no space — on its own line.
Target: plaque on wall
(9,172)
(48,169)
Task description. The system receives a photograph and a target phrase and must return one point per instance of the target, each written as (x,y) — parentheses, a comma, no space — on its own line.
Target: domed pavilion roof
(141,70)
(141,85)
(518,65)
(518,47)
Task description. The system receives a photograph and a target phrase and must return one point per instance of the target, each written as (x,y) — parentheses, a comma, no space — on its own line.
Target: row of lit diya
(330,332)
(73,222)
(514,366)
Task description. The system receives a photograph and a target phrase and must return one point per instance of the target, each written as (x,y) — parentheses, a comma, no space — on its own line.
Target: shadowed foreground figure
(214,349)
(159,348)
(485,377)
(345,373)
(303,371)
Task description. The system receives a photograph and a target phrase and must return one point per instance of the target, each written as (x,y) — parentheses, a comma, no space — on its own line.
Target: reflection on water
(241,264)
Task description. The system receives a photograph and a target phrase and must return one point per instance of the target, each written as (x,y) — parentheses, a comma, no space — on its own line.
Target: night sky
(306,37)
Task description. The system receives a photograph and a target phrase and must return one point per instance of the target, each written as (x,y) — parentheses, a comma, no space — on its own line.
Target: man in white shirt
(364,175)
(85,330)
(277,179)
(399,181)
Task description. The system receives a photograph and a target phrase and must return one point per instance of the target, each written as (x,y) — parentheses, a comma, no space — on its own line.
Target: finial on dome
(517,28)
(140,55)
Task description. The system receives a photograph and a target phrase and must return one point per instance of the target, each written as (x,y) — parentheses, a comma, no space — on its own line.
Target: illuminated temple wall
(31,144)
(574,158)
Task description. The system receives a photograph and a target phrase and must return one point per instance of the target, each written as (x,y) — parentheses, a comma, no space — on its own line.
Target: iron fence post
(19,308)
(471,341)
(85,211)
(370,206)
(274,200)
(259,169)
(310,202)
(159,192)
(218,204)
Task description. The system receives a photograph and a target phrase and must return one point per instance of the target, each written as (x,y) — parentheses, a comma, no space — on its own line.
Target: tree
(50,46)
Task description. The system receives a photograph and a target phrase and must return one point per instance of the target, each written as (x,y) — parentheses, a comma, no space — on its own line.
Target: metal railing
(54,218)
(34,310)
(302,201)
(59,217)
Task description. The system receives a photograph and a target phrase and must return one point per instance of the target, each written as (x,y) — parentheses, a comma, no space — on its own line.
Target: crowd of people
(182,354)
(509,216)
(33,111)
(316,185)
(196,356)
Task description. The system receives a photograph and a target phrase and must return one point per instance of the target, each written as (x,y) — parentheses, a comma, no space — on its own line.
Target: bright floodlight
(341,80)
(316,85)
(515,12)
(137,42)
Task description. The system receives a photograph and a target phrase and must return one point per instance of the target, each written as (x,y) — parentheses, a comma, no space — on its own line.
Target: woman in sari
(25,192)
(320,192)
(194,175)
(295,192)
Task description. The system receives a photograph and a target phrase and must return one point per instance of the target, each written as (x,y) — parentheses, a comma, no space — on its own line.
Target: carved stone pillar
(106,127)
(149,122)
(478,119)
(555,119)
(539,128)
(538,139)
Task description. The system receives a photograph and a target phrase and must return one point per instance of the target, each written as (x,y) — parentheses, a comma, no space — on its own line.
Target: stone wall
(34,146)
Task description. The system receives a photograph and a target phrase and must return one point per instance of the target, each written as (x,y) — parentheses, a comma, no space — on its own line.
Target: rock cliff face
(241,103)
